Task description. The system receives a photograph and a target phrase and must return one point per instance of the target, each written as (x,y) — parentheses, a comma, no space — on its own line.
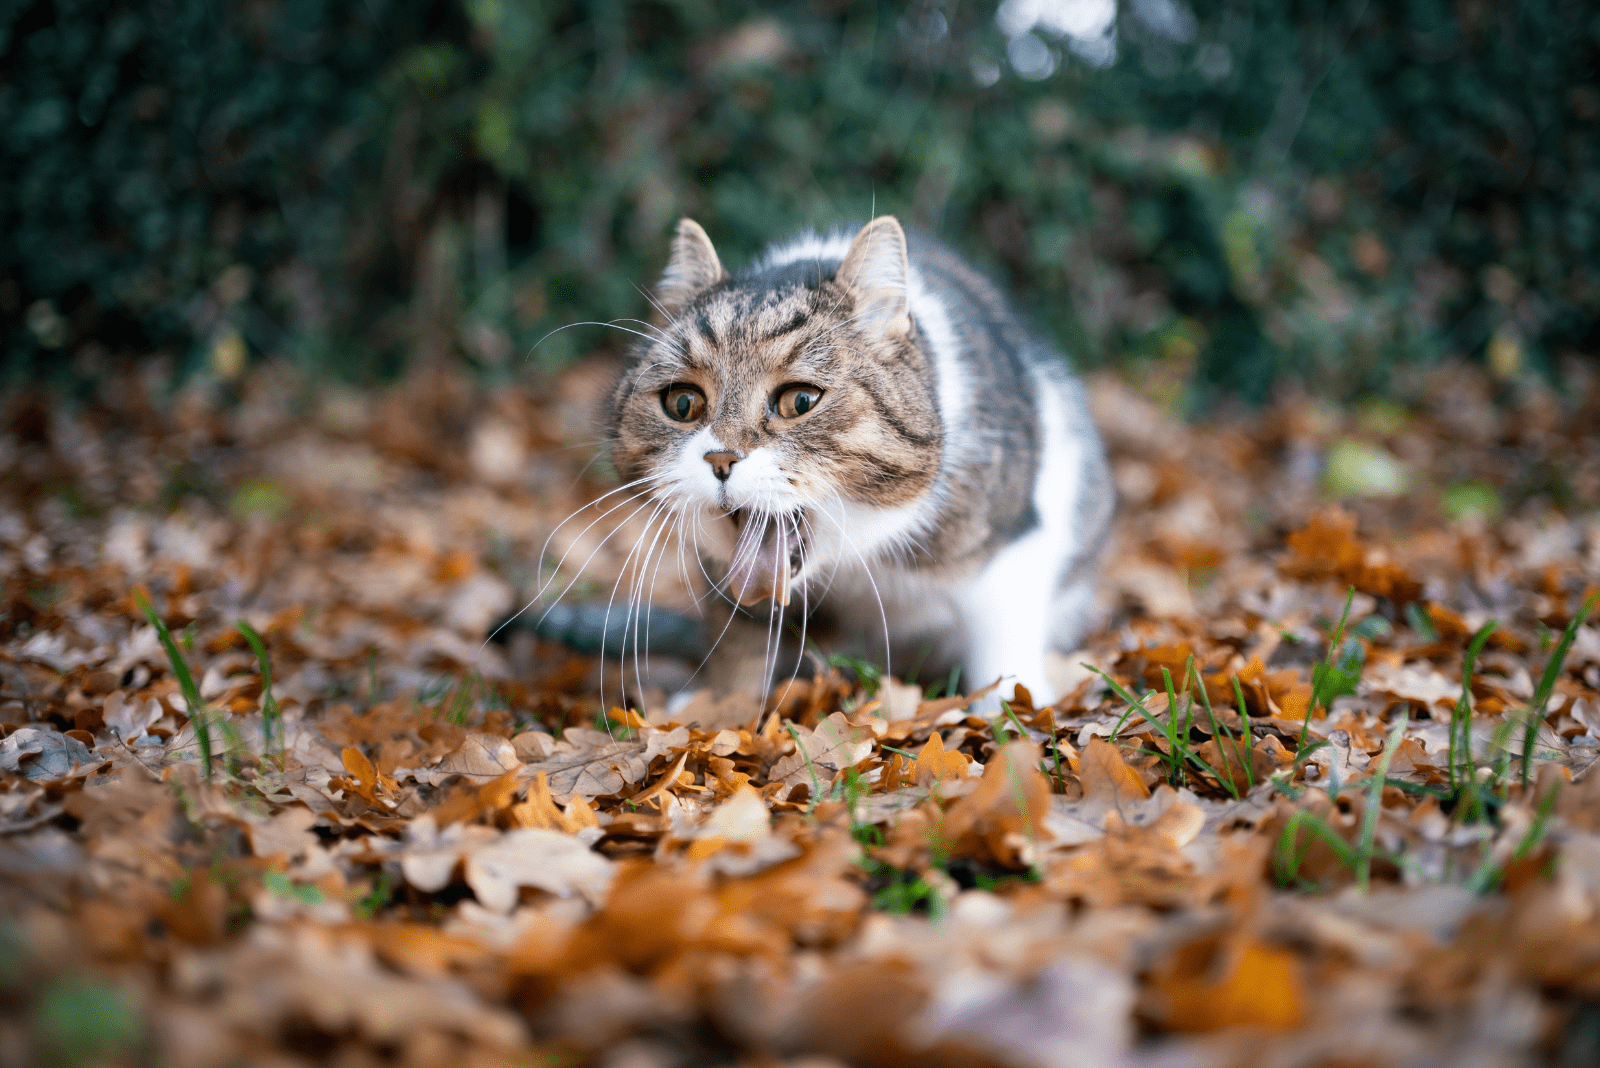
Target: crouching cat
(859,432)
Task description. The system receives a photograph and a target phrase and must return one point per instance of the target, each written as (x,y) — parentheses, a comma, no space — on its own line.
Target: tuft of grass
(271,715)
(1216,733)
(904,895)
(1469,799)
(1182,751)
(461,700)
(869,674)
(180,670)
(1486,878)
(1175,768)
(1287,855)
(1330,680)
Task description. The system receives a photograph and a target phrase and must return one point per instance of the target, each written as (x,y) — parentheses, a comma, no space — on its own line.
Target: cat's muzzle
(768,556)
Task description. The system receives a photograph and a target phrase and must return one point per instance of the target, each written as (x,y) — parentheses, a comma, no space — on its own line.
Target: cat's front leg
(1006,615)
(742,648)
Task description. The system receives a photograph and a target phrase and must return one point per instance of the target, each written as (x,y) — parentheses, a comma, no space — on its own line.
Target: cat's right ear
(875,270)
(692,268)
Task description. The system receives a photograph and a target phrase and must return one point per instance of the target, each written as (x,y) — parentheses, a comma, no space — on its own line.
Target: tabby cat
(858,434)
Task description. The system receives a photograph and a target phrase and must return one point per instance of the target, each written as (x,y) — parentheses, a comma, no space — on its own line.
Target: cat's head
(787,416)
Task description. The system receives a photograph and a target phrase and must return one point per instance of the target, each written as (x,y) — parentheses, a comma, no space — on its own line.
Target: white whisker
(605,627)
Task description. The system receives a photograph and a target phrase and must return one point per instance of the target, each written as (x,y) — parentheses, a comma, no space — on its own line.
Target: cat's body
(870,435)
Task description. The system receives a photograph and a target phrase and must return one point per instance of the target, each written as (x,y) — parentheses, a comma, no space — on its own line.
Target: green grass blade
(1019,796)
(1541,822)
(270,713)
(1010,714)
(1486,876)
(1249,734)
(1461,717)
(1374,807)
(1547,684)
(1055,747)
(1191,681)
(180,670)
(1286,859)
(1216,736)
(1318,696)
(1117,730)
(1175,773)
(1344,617)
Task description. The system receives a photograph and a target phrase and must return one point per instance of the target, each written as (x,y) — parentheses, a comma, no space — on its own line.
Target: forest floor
(1348,823)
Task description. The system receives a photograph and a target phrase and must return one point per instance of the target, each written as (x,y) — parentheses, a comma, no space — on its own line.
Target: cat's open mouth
(767,557)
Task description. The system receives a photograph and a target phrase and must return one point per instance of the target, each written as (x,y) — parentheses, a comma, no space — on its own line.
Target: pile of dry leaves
(1300,807)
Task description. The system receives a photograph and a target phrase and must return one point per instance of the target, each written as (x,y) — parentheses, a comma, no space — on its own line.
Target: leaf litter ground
(1320,791)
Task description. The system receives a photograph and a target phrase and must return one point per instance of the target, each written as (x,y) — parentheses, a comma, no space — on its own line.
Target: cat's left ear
(693,266)
(875,270)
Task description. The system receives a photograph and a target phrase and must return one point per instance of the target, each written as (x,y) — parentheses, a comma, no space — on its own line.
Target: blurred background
(1213,195)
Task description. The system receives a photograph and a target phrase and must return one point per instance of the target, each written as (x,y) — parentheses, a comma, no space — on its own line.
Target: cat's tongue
(761,564)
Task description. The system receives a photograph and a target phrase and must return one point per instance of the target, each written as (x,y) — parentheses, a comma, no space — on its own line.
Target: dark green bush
(1252,187)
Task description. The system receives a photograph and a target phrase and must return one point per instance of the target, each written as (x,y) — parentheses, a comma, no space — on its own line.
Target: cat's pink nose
(722,464)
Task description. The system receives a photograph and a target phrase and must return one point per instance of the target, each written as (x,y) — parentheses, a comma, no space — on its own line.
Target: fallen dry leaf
(530,856)
(481,757)
(589,763)
(42,755)
(934,764)
(1001,822)
(1259,986)
(1106,777)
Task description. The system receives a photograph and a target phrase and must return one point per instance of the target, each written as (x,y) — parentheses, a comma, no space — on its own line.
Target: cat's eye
(683,403)
(795,401)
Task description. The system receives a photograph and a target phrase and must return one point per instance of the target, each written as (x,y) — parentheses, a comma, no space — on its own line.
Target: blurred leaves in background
(1214,193)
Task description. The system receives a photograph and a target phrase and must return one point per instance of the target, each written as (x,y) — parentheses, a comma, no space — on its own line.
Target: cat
(860,432)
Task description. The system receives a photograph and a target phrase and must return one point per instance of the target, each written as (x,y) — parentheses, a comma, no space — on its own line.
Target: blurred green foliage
(1250,188)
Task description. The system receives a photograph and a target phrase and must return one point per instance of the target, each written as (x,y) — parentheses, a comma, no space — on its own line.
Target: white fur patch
(829,248)
(1009,606)
(757,481)
(689,474)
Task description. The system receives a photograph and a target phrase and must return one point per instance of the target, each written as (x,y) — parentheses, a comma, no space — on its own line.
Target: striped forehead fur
(929,313)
